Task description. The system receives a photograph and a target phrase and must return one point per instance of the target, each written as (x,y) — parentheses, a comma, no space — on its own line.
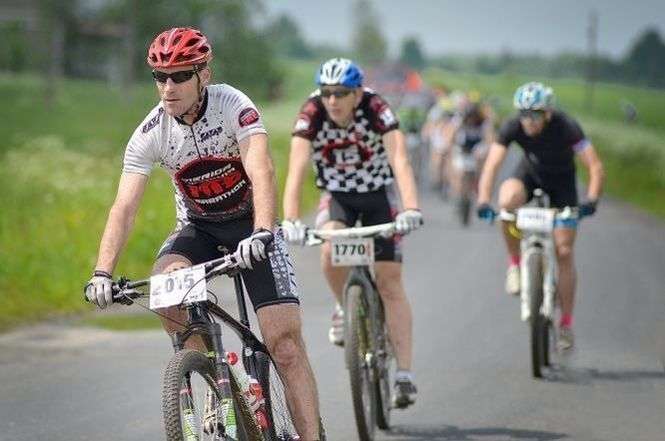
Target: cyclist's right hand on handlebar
(486,212)
(294,231)
(99,289)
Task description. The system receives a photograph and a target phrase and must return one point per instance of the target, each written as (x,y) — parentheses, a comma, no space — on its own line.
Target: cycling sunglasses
(177,77)
(535,115)
(337,93)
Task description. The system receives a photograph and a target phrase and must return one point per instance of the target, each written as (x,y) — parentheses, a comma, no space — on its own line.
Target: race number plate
(186,285)
(352,252)
(539,220)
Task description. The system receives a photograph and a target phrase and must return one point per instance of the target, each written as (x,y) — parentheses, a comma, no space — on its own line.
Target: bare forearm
(116,232)
(407,184)
(596,177)
(265,195)
(485,184)
(292,196)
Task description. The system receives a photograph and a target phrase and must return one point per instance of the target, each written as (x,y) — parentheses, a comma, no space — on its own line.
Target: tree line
(108,40)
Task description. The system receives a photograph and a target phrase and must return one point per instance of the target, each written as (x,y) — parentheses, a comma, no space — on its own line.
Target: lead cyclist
(358,151)
(212,142)
(551,141)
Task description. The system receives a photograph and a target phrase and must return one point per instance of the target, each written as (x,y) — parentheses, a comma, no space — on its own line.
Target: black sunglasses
(532,114)
(337,93)
(177,77)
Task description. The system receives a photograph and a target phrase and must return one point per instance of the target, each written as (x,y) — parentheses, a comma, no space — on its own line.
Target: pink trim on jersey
(581,145)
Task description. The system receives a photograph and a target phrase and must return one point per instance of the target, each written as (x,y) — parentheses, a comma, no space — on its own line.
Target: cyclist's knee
(170,262)
(170,318)
(564,254)
(285,348)
(512,194)
(389,280)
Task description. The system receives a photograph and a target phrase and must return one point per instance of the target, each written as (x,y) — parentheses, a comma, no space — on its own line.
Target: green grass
(633,153)
(59,169)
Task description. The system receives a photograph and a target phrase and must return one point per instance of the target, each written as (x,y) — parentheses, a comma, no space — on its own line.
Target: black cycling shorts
(272,281)
(372,208)
(561,187)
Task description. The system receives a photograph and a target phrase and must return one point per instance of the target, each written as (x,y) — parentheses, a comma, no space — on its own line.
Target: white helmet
(340,71)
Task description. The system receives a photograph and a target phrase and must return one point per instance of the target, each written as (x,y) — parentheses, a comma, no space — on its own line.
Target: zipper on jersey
(195,143)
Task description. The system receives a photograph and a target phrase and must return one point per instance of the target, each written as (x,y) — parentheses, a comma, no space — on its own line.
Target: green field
(59,167)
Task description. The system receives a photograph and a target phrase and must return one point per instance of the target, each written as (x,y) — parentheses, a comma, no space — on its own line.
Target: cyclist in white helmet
(551,141)
(358,151)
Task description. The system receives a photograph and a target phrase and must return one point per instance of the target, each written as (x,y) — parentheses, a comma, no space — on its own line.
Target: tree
(368,42)
(411,54)
(284,35)
(646,58)
(241,56)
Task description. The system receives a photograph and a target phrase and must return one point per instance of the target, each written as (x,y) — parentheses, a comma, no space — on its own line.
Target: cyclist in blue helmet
(359,153)
(551,141)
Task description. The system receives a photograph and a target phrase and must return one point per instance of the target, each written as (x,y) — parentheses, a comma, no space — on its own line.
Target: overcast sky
(487,26)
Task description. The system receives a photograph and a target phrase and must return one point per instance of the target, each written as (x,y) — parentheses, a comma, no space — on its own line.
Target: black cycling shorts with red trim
(560,187)
(371,208)
(272,281)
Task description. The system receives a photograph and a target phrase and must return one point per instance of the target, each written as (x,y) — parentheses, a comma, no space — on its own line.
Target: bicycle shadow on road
(588,376)
(454,433)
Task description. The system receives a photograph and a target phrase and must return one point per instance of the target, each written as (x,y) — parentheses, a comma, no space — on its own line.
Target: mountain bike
(538,297)
(368,352)
(208,396)
(465,165)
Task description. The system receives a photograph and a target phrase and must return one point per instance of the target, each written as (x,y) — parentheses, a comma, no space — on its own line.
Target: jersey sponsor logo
(248,116)
(343,153)
(153,121)
(210,133)
(387,117)
(214,185)
(302,125)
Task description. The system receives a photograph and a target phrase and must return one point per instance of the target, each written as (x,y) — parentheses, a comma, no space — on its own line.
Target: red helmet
(179,47)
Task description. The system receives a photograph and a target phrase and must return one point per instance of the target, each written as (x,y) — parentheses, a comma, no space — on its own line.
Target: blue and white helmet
(533,96)
(339,71)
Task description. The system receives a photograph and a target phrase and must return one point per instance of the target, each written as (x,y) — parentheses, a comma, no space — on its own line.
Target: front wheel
(538,323)
(191,403)
(357,351)
(385,370)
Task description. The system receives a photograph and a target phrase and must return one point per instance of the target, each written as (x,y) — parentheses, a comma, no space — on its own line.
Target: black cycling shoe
(404,394)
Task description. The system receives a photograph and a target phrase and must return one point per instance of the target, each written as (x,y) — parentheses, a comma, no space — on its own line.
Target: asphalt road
(64,383)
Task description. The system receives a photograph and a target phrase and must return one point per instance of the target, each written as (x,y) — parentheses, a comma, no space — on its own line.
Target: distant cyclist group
(211,140)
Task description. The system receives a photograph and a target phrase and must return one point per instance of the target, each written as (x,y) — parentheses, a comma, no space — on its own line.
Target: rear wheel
(538,322)
(187,379)
(357,348)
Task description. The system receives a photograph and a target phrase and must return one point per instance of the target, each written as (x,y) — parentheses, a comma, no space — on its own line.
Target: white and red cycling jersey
(203,159)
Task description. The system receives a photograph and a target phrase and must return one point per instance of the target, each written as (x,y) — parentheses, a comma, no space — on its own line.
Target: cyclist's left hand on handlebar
(99,289)
(408,220)
(588,208)
(253,247)
(294,231)
(486,212)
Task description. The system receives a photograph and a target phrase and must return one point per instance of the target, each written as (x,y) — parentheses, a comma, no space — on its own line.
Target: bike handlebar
(125,290)
(565,213)
(316,237)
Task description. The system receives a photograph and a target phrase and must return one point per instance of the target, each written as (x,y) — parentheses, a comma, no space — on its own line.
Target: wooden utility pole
(592,47)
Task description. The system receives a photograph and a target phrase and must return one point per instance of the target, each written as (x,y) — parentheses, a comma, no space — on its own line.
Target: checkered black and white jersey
(203,159)
(350,159)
